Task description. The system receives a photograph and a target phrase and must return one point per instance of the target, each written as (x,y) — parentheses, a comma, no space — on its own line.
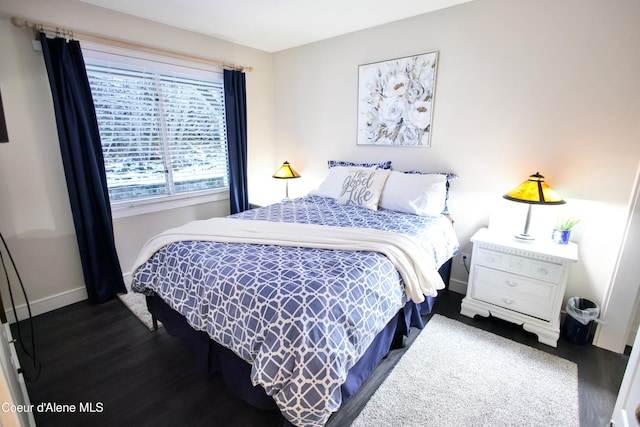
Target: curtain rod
(37,27)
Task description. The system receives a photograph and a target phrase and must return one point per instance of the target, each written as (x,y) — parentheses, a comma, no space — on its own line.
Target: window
(162,127)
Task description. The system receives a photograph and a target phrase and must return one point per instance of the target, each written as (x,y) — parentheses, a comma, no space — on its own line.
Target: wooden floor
(104,357)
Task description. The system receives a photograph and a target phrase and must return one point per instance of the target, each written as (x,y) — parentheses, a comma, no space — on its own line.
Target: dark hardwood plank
(103,355)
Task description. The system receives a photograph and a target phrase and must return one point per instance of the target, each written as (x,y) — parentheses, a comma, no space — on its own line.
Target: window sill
(141,207)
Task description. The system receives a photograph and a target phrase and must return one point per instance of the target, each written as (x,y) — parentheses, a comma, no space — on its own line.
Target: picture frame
(395,101)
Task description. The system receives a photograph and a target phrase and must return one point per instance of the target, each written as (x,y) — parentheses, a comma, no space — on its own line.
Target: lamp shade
(286,172)
(534,191)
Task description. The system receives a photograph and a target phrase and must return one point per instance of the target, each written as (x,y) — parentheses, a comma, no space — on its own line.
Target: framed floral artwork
(395,101)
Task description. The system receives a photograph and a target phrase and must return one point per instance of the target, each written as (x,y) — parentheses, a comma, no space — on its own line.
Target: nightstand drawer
(533,268)
(517,293)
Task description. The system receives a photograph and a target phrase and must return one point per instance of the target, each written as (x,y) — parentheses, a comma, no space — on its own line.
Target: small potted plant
(562,230)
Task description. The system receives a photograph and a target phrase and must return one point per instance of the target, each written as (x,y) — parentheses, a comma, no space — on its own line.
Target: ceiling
(274,25)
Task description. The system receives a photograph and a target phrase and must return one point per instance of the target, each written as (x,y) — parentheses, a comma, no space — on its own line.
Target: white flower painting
(395,101)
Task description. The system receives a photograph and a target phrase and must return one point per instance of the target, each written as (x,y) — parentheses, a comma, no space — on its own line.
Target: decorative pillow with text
(363,187)
(331,186)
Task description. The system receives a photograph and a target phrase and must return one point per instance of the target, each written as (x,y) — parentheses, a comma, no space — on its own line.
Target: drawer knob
(511,283)
(543,271)
(507,301)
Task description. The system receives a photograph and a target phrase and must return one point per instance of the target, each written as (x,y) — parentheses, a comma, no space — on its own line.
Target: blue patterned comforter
(302,317)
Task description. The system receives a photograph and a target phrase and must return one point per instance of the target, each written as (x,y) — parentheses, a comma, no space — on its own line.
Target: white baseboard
(53,302)
(458,286)
(47,304)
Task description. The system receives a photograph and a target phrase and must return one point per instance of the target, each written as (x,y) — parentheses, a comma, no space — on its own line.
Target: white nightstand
(520,282)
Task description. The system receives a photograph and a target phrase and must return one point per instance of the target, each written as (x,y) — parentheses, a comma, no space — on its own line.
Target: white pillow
(332,184)
(363,187)
(420,194)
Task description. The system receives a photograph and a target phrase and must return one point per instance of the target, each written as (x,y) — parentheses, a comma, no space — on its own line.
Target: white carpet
(458,375)
(137,304)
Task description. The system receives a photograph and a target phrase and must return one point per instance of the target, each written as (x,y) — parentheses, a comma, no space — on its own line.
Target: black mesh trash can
(581,313)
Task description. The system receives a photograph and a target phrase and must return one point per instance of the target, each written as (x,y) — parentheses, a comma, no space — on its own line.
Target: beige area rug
(458,375)
(137,304)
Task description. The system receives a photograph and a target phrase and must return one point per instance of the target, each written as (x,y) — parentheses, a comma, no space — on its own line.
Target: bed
(295,303)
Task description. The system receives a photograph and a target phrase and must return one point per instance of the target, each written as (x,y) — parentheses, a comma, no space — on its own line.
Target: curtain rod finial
(19,22)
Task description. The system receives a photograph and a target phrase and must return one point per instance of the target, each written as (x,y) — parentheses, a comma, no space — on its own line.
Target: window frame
(126,208)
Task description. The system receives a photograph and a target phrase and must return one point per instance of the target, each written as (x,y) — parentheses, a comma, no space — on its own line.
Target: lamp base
(525,237)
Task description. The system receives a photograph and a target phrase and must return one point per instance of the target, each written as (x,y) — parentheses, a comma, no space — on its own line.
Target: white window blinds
(163,133)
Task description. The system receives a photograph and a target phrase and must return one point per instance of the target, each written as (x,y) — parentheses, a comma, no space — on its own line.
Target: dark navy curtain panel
(83,167)
(235,98)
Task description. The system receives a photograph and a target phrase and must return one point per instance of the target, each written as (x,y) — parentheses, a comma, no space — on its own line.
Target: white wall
(522,86)
(35,216)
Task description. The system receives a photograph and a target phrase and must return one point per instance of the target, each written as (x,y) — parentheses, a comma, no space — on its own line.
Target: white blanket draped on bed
(415,266)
